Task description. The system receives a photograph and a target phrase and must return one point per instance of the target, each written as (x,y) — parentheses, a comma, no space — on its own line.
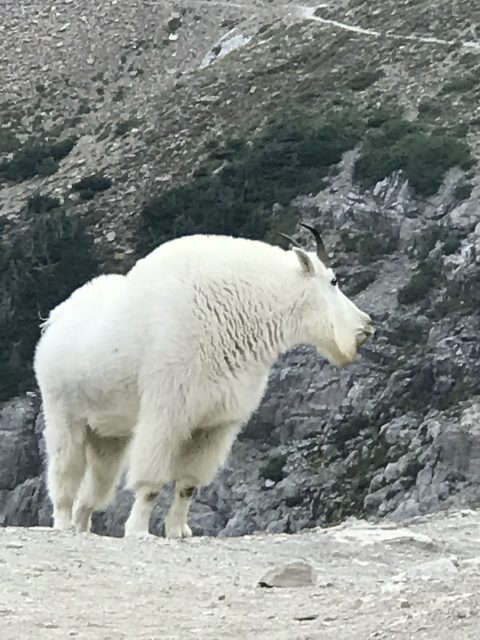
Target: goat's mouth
(364,335)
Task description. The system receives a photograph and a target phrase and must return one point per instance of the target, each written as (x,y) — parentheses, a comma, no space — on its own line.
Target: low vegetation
(372,245)
(35,158)
(89,186)
(234,190)
(364,79)
(423,156)
(423,280)
(42,260)
(274,469)
(8,141)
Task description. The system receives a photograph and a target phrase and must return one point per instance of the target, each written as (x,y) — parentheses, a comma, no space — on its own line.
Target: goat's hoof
(139,535)
(178,531)
(64,527)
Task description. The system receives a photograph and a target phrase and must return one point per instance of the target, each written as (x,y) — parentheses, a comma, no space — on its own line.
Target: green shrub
(378,117)
(370,246)
(407,334)
(423,157)
(365,79)
(359,280)
(421,283)
(463,191)
(39,203)
(274,469)
(124,126)
(451,245)
(8,141)
(35,158)
(350,427)
(460,392)
(426,241)
(61,149)
(42,261)
(95,182)
(430,107)
(428,238)
(461,83)
(89,186)
(234,190)
(461,294)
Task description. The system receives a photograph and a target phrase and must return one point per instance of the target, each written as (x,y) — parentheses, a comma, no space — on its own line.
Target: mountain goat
(155,372)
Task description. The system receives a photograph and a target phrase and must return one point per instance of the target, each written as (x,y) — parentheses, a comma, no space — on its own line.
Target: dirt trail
(373,581)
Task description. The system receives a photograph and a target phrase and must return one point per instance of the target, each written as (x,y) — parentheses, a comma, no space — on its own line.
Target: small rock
(441,569)
(14,545)
(110,236)
(294,574)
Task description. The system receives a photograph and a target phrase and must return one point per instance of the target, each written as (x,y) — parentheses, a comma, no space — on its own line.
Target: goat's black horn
(321,251)
(294,242)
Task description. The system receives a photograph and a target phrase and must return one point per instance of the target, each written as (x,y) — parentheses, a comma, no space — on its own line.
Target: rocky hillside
(130,123)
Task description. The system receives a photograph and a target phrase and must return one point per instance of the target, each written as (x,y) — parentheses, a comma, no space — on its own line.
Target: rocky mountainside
(125,124)
(356,580)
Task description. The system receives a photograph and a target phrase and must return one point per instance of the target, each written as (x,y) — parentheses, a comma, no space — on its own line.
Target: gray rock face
(19,458)
(22,491)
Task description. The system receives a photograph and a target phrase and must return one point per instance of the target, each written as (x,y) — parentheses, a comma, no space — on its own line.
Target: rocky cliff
(128,124)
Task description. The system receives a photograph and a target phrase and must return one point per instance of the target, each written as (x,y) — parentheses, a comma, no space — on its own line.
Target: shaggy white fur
(156,371)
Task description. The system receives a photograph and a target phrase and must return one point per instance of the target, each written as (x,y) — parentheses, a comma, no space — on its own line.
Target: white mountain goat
(156,371)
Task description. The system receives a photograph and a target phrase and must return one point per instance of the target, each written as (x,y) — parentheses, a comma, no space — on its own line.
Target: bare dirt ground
(420,580)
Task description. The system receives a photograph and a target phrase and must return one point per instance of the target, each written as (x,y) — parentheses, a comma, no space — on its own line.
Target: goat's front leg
(199,458)
(139,518)
(150,463)
(176,519)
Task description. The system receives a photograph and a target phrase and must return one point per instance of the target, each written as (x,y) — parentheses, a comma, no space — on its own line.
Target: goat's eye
(334,282)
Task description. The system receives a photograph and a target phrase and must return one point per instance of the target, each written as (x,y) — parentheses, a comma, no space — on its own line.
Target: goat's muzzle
(365,334)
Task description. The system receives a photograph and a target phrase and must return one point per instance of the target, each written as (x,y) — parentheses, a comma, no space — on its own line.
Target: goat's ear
(306,263)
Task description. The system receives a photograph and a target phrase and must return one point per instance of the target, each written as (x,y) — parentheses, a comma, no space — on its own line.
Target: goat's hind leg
(65,444)
(104,458)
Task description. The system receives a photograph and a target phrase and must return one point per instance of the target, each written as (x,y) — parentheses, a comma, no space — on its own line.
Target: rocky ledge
(356,580)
